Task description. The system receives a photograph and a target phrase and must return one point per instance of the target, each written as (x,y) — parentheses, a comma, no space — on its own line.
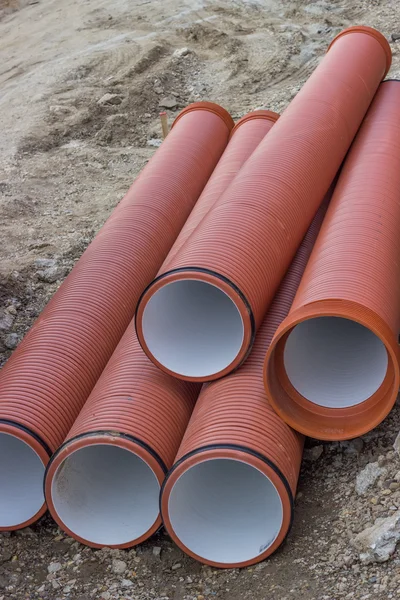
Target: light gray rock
(51,274)
(368,476)
(43,263)
(109,99)
(396,444)
(54,567)
(11,341)
(179,52)
(168,102)
(157,551)
(118,566)
(126,583)
(378,542)
(155,143)
(6,320)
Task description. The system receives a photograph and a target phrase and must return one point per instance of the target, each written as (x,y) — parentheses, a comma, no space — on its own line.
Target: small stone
(41,589)
(54,567)
(353,447)
(179,52)
(76,557)
(395,485)
(155,143)
(55,585)
(118,566)
(109,99)
(200,597)
(313,454)
(374,500)
(6,320)
(368,476)
(395,37)
(176,566)
(12,310)
(43,263)
(158,89)
(396,444)
(11,341)
(156,551)
(386,492)
(378,542)
(168,102)
(105,595)
(51,274)
(126,583)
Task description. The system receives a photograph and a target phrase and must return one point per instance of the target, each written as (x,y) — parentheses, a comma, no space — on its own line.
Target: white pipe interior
(335,362)
(106,495)
(21,481)
(225,510)
(192,328)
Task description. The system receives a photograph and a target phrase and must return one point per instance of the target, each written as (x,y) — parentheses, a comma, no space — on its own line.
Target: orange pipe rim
(237,453)
(377,35)
(211,107)
(225,286)
(269,115)
(331,423)
(112,438)
(23,434)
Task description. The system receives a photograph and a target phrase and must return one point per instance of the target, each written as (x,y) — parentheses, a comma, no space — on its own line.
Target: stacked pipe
(198,319)
(102,485)
(332,371)
(48,378)
(228,500)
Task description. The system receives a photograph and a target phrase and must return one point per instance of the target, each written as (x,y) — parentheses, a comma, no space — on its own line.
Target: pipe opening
(21,481)
(192,328)
(106,495)
(225,511)
(335,362)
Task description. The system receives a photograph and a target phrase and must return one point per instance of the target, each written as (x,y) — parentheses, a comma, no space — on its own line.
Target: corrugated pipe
(198,320)
(103,484)
(228,500)
(245,137)
(135,411)
(332,371)
(48,378)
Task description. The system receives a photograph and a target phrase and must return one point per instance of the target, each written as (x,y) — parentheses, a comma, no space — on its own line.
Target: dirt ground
(66,159)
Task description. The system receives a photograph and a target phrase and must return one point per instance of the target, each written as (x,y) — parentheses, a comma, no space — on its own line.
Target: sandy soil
(66,160)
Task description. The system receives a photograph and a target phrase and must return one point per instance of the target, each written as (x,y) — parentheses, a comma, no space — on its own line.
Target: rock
(11,341)
(368,476)
(51,274)
(54,567)
(126,583)
(168,102)
(313,454)
(396,444)
(378,542)
(105,595)
(109,99)
(179,52)
(6,320)
(156,551)
(12,310)
(353,447)
(41,589)
(42,263)
(118,566)
(154,143)
(176,566)
(395,37)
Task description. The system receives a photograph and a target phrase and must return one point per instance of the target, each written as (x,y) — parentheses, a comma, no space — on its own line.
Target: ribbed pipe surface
(221,282)
(228,500)
(332,370)
(119,449)
(48,378)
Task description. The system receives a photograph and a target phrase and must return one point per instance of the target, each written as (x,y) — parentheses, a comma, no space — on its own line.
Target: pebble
(6,320)
(54,567)
(126,583)
(395,37)
(109,99)
(313,454)
(176,566)
(156,551)
(168,102)
(378,542)
(43,263)
(118,566)
(11,341)
(179,52)
(155,143)
(105,595)
(368,476)
(51,274)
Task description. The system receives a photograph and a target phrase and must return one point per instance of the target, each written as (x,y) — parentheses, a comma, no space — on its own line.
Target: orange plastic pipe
(102,486)
(198,321)
(332,370)
(228,500)
(48,378)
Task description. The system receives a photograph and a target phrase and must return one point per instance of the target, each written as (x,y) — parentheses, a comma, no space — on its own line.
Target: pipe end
(269,115)
(210,107)
(373,33)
